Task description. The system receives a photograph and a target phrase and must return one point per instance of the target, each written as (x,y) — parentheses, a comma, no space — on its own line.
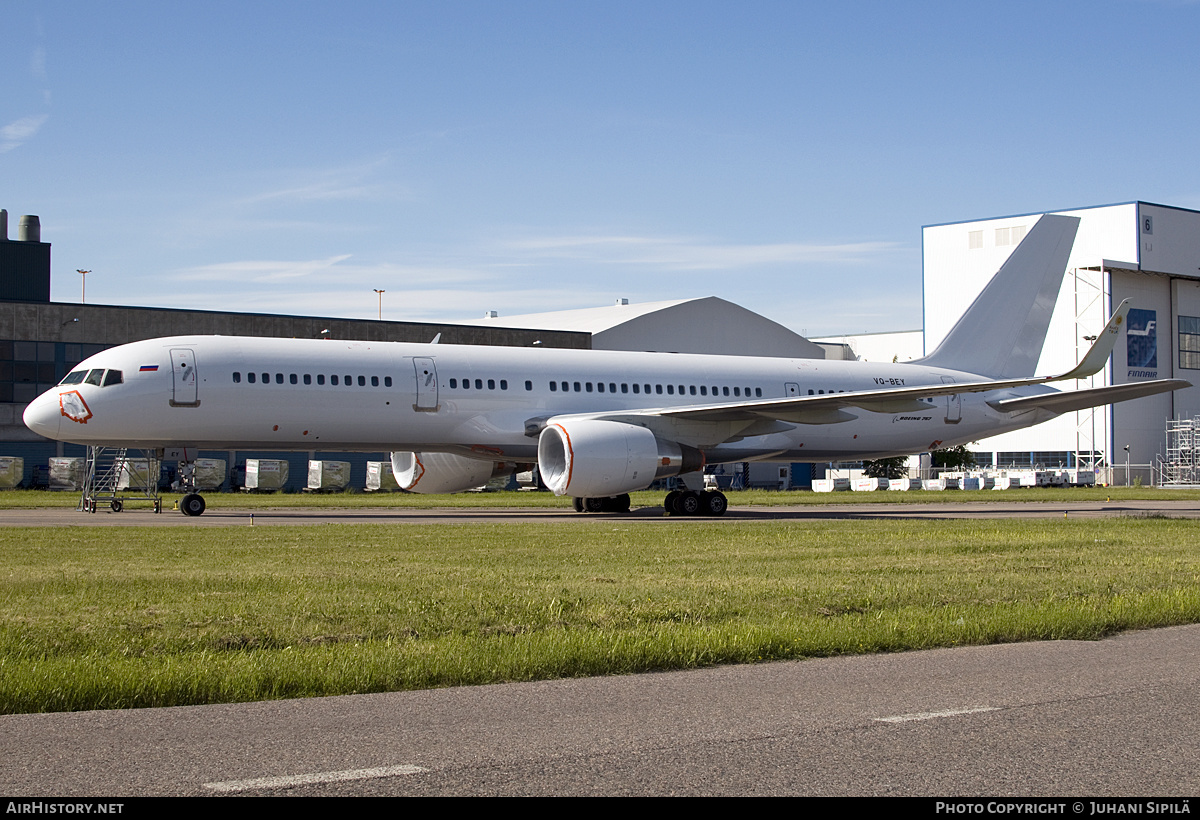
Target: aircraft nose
(43,415)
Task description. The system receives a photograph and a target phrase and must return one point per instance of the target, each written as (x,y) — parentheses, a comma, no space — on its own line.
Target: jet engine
(590,458)
(443,472)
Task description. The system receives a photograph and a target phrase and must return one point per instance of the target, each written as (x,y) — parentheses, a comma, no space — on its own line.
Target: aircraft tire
(595,505)
(192,504)
(621,503)
(578,504)
(669,503)
(715,503)
(688,503)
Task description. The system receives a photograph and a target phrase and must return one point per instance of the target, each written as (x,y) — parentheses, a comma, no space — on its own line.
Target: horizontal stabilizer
(1094,397)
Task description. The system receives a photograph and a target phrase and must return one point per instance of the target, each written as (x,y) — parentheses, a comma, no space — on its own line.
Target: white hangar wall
(1141,251)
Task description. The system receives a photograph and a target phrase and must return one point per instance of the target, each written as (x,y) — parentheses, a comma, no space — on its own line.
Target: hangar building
(1140,251)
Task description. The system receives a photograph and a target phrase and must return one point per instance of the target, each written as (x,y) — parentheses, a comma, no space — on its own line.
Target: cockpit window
(94,377)
(113,377)
(74,377)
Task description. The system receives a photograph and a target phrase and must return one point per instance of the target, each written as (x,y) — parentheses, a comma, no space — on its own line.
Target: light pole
(380,292)
(83,295)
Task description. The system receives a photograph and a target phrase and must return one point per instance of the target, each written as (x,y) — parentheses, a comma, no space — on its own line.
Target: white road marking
(931,715)
(309,779)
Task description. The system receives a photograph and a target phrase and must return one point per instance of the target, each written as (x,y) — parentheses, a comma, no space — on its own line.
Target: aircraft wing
(1094,397)
(831,408)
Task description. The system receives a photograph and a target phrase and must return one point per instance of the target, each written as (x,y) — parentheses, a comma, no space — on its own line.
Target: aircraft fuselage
(219,393)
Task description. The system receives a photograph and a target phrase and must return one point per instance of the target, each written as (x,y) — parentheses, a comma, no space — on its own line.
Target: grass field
(110,618)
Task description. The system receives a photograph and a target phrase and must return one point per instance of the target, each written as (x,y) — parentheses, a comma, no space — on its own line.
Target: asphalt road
(1113,717)
(143,516)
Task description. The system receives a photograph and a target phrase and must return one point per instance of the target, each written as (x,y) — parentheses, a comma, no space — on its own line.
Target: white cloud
(321,185)
(350,277)
(20,131)
(668,253)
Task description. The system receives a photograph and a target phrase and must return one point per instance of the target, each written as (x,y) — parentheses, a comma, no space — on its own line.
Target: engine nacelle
(591,458)
(442,472)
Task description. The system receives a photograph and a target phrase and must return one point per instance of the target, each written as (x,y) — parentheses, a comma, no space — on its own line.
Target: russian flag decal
(148,368)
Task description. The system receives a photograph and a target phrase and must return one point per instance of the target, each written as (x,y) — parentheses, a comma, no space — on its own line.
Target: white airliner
(599,424)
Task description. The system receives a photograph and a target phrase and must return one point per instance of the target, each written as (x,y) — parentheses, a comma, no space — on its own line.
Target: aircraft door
(183,378)
(953,404)
(791,389)
(427,385)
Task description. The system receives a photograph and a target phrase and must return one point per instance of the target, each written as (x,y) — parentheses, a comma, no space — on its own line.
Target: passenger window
(362,381)
(113,377)
(658,389)
(600,387)
(237,378)
(588,387)
(320,378)
(454,383)
(625,387)
(724,391)
(387,381)
(479,384)
(349,381)
(553,386)
(737,391)
(637,388)
(308,378)
(491,384)
(250,378)
(278,378)
(758,392)
(333,380)
(692,389)
(670,390)
(578,388)
(266,378)
(703,390)
(374,381)
(293,378)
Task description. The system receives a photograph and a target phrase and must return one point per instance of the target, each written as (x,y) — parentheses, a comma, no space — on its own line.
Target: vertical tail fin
(1002,332)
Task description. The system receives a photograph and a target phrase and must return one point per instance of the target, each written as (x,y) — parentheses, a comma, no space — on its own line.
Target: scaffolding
(1181,465)
(112,469)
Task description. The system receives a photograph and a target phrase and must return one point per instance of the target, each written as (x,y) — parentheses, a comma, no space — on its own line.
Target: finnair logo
(1141,339)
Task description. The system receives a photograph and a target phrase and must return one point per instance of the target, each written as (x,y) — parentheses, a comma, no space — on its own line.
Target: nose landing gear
(192,504)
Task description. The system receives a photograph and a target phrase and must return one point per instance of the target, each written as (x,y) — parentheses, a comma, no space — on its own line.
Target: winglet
(1101,349)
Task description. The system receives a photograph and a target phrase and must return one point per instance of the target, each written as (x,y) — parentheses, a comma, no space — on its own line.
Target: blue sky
(534,156)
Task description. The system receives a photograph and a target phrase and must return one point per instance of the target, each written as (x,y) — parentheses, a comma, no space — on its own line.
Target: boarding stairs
(112,470)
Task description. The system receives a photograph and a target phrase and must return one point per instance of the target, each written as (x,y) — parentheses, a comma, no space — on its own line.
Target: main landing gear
(689,502)
(615,503)
(680,502)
